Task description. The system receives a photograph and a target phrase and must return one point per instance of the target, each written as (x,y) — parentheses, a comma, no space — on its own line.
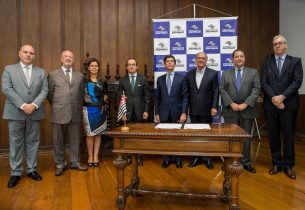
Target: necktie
(238,81)
(132,82)
(279,64)
(68,75)
(169,83)
(27,74)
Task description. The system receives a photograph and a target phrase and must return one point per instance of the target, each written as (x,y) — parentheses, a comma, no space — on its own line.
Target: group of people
(75,99)
(197,94)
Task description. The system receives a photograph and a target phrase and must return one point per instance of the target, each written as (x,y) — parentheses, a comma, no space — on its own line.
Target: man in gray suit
(25,87)
(136,90)
(65,96)
(239,89)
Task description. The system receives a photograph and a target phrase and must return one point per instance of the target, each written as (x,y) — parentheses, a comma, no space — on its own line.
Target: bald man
(65,96)
(25,88)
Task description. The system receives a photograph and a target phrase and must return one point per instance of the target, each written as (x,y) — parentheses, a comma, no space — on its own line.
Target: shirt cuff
(35,105)
(22,106)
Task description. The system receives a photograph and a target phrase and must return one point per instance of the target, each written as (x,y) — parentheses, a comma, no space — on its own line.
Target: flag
(122,107)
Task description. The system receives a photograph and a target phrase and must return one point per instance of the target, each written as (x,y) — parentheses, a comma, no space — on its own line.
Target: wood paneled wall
(115,30)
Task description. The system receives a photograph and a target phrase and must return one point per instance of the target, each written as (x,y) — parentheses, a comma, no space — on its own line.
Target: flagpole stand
(125,128)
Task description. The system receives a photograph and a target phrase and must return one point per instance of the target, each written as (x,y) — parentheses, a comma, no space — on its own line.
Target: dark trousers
(247,125)
(170,157)
(133,119)
(277,121)
(202,119)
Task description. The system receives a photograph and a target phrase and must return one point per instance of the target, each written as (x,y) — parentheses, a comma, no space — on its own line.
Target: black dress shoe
(35,176)
(290,173)
(140,160)
(165,164)
(179,164)
(194,162)
(250,168)
(13,181)
(209,164)
(275,169)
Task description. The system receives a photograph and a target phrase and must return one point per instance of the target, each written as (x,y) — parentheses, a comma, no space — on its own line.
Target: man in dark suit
(239,90)
(203,93)
(25,87)
(281,77)
(171,102)
(65,96)
(136,90)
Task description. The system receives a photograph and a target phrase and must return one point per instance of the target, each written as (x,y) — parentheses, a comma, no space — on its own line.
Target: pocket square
(139,85)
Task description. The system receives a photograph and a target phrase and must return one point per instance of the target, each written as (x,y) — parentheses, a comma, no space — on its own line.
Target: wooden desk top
(148,129)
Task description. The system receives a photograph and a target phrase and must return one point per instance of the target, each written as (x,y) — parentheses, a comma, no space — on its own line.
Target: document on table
(183,126)
(197,126)
(169,126)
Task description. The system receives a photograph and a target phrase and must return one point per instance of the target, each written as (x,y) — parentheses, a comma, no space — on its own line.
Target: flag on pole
(122,108)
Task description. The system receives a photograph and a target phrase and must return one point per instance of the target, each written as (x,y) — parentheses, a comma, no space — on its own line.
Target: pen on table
(182,126)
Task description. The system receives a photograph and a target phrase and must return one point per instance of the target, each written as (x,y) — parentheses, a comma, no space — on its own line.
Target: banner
(183,38)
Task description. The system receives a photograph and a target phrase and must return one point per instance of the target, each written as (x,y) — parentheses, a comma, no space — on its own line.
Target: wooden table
(224,140)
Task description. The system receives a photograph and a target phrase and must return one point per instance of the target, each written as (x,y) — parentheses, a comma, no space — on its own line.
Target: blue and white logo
(159,63)
(194,45)
(213,61)
(226,62)
(228,27)
(194,28)
(228,44)
(178,46)
(161,47)
(211,45)
(211,28)
(161,29)
(180,63)
(191,62)
(177,29)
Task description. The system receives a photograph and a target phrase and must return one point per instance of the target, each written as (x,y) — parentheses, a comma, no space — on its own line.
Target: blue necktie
(169,83)
(279,64)
(238,81)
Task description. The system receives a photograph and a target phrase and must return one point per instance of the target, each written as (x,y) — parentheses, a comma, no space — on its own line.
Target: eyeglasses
(132,64)
(278,43)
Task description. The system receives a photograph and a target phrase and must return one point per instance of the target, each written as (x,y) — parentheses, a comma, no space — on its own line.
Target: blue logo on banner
(159,63)
(178,46)
(226,62)
(194,28)
(191,62)
(161,30)
(211,45)
(228,27)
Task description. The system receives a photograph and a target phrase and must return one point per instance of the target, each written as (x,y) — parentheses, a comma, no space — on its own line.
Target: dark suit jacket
(205,98)
(65,98)
(249,91)
(137,100)
(286,84)
(174,104)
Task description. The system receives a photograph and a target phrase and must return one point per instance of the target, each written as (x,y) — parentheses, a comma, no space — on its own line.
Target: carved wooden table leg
(226,187)
(234,168)
(120,163)
(134,177)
